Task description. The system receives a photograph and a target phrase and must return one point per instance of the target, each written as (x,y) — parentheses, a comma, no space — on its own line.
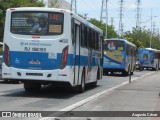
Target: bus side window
(88,37)
(82,36)
(93,40)
(73,31)
(85,36)
(99,42)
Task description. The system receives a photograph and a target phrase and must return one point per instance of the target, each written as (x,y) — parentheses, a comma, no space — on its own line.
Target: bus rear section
(114,56)
(35,48)
(51,46)
(148,58)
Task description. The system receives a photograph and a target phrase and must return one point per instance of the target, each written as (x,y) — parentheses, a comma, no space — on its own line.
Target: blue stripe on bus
(21,60)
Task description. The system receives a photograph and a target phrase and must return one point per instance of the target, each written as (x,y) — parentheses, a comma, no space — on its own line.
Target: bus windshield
(37,23)
(114,45)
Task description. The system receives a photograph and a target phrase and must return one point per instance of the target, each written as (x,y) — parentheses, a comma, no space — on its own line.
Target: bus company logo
(17,60)
(6,114)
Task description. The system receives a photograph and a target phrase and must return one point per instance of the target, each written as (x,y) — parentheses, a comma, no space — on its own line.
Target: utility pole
(154,28)
(151,31)
(104,9)
(121,2)
(158,31)
(138,15)
(112,22)
(74,6)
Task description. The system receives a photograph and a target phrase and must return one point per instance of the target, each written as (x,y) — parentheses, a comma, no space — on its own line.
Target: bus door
(76,51)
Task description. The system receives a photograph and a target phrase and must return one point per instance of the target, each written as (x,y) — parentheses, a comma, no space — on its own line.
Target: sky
(93,9)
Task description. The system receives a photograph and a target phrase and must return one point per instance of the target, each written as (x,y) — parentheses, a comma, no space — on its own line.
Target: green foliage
(110,30)
(141,38)
(5,4)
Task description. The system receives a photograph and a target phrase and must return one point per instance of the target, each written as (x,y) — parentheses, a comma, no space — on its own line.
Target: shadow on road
(115,74)
(9,82)
(48,92)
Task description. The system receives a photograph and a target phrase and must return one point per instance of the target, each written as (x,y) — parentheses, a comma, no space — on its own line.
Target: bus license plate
(35,62)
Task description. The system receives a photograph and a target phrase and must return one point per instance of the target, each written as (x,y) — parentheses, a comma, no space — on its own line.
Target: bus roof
(38,9)
(148,49)
(121,40)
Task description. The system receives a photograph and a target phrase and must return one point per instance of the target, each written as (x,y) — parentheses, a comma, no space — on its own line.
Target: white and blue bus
(148,58)
(51,46)
(119,56)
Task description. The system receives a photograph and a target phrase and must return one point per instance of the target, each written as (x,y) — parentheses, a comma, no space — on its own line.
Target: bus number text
(35,49)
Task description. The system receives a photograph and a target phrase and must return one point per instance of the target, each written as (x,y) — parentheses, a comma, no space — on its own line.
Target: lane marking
(82,102)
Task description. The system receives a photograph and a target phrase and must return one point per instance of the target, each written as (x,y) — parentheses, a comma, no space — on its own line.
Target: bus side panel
(113,60)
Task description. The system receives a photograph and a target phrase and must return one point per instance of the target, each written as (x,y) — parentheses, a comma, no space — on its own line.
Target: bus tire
(81,88)
(32,86)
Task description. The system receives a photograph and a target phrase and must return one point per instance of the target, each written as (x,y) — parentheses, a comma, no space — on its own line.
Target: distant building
(59,4)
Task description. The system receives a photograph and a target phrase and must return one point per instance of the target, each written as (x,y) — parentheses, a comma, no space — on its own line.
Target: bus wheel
(32,86)
(81,88)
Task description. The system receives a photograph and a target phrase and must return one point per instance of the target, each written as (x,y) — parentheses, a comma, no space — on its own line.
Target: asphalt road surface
(14,98)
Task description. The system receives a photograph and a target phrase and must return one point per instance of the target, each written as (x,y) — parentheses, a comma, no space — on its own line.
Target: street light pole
(151,31)
(106,18)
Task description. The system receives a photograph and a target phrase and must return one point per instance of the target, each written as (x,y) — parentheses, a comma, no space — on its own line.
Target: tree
(141,38)
(5,4)
(110,30)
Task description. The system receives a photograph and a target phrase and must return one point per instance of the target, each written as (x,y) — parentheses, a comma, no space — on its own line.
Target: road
(13,96)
